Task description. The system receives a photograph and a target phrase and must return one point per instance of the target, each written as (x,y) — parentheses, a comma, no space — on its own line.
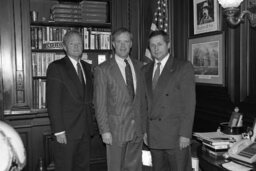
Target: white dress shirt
(163,62)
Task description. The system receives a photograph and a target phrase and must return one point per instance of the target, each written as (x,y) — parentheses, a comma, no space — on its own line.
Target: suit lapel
(73,76)
(148,78)
(164,79)
(117,75)
(137,76)
(88,85)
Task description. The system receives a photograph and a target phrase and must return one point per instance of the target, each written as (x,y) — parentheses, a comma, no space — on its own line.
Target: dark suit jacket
(69,106)
(171,105)
(116,112)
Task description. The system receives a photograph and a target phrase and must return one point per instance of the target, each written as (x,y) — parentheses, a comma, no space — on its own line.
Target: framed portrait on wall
(207,56)
(206,17)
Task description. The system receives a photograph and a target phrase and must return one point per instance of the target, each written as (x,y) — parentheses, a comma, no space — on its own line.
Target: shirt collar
(74,62)
(121,60)
(163,61)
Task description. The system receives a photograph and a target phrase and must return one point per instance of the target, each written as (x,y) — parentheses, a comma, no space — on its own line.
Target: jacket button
(150,119)
(133,121)
(159,119)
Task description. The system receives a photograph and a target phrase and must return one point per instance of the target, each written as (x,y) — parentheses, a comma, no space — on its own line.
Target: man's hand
(184,142)
(145,139)
(107,138)
(61,138)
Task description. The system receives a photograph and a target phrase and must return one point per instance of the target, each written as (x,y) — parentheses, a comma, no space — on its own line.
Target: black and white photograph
(206,16)
(206,55)
(127,85)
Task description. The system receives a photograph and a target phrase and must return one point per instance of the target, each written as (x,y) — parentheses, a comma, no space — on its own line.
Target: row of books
(40,62)
(41,35)
(215,151)
(94,11)
(66,12)
(48,37)
(96,39)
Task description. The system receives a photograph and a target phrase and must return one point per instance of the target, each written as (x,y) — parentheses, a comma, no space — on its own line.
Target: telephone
(244,150)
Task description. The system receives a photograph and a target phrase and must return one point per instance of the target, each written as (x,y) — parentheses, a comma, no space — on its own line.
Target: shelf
(70,24)
(84,51)
(39,77)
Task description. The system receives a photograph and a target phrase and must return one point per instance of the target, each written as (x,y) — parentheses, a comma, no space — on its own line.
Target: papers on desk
(213,138)
(235,167)
(215,143)
(146,158)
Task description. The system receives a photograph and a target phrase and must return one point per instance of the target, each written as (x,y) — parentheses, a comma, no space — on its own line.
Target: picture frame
(206,16)
(207,56)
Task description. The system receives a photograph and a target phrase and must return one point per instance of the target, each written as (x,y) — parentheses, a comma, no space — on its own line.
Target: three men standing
(127,100)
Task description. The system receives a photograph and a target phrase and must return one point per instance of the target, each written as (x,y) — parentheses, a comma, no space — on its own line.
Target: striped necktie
(80,74)
(156,75)
(129,79)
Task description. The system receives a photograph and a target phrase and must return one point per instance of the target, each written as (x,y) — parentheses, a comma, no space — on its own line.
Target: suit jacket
(171,105)
(116,112)
(69,104)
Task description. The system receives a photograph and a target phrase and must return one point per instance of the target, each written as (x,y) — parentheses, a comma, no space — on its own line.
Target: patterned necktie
(80,74)
(156,75)
(129,80)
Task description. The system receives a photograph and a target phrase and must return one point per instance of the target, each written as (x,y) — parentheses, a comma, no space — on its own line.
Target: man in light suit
(171,106)
(69,101)
(119,103)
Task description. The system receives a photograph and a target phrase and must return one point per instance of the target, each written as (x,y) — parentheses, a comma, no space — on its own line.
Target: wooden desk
(208,162)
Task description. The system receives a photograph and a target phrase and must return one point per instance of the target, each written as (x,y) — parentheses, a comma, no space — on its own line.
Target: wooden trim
(1,86)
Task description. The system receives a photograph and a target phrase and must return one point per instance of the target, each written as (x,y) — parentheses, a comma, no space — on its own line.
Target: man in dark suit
(171,106)
(119,103)
(69,99)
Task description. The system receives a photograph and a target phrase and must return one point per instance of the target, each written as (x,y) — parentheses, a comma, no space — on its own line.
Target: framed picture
(207,56)
(206,16)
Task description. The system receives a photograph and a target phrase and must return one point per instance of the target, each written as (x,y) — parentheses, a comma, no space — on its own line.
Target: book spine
(40,38)
(216,142)
(216,147)
(32,33)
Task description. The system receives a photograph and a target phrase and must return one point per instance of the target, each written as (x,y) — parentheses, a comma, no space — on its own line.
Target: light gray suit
(119,114)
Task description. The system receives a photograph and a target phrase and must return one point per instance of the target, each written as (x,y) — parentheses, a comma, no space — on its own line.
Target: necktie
(156,75)
(80,74)
(129,80)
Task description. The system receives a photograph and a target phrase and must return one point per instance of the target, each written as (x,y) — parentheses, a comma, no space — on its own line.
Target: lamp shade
(230,3)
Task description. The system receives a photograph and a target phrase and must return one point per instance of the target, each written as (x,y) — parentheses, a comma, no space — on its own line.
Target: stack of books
(215,143)
(67,12)
(94,11)
(216,148)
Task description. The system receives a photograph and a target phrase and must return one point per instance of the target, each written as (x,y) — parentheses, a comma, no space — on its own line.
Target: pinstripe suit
(118,114)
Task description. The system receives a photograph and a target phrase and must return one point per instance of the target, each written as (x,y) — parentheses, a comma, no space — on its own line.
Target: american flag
(160,22)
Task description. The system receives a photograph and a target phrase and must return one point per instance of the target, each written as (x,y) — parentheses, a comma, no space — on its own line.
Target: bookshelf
(53,19)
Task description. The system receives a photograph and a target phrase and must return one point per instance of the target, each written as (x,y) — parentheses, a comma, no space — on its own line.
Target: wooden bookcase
(16,89)
(46,37)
